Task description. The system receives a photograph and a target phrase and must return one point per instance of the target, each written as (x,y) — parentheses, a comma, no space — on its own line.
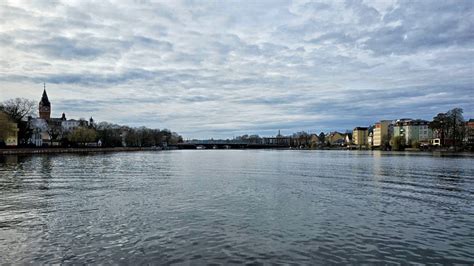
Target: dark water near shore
(237,206)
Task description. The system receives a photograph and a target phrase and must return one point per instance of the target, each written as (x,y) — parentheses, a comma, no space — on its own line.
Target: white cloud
(214,68)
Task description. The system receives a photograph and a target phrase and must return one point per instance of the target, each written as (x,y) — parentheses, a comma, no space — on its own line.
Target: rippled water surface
(237,206)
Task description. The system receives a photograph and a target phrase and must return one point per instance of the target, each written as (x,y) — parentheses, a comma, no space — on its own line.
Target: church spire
(44,98)
(44,105)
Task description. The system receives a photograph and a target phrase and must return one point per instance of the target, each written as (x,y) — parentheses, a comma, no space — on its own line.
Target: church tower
(45,106)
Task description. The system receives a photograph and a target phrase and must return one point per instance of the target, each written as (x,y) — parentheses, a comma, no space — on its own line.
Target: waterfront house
(370,138)
(360,137)
(335,138)
(8,131)
(69,125)
(314,140)
(413,131)
(382,133)
(39,132)
(348,139)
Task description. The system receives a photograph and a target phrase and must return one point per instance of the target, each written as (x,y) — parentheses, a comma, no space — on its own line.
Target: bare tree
(449,126)
(54,130)
(18,109)
(457,125)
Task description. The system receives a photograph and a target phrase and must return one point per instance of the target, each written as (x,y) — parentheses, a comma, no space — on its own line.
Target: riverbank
(72,150)
(26,151)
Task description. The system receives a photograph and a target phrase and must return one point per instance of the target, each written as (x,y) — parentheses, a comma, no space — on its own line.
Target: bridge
(225,144)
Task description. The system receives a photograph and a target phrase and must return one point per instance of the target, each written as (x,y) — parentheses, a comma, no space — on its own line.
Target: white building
(39,129)
(414,131)
(69,125)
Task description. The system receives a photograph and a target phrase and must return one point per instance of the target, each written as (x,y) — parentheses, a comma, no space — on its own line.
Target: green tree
(385,143)
(398,143)
(415,145)
(82,135)
(5,124)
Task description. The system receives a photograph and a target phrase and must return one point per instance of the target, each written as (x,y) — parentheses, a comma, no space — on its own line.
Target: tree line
(21,110)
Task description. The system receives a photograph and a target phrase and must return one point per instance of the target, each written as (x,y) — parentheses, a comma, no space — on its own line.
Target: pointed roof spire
(44,98)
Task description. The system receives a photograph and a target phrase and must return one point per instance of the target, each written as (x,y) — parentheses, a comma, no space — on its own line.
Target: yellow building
(381,133)
(314,141)
(335,138)
(360,137)
(8,131)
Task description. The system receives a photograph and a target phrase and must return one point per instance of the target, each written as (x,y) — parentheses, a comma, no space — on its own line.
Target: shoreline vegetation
(21,151)
(31,151)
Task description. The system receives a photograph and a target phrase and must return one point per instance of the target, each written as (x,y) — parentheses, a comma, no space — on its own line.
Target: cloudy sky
(224,68)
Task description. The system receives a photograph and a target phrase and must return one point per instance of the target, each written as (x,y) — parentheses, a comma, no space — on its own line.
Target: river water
(237,207)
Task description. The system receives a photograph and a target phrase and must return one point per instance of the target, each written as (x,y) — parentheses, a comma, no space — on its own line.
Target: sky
(226,68)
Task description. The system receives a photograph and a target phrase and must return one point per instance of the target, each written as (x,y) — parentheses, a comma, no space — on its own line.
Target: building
(40,126)
(469,139)
(360,137)
(314,140)
(39,132)
(47,130)
(348,139)
(370,138)
(44,106)
(8,131)
(69,125)
(413,131)
(335,138)
(382,133)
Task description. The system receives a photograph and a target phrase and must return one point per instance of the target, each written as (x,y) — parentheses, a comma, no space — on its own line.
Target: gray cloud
(217,69)
(425,25)
(64,48)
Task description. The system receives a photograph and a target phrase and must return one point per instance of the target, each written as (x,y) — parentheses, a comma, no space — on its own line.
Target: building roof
(412,122)
(44,99)
(335,132)
(361,128)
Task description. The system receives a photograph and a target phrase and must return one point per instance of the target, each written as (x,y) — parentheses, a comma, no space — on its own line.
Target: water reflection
(197,207)
(7,160)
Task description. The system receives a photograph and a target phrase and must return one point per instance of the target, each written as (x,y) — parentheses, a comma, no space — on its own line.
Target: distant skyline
(218,69)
